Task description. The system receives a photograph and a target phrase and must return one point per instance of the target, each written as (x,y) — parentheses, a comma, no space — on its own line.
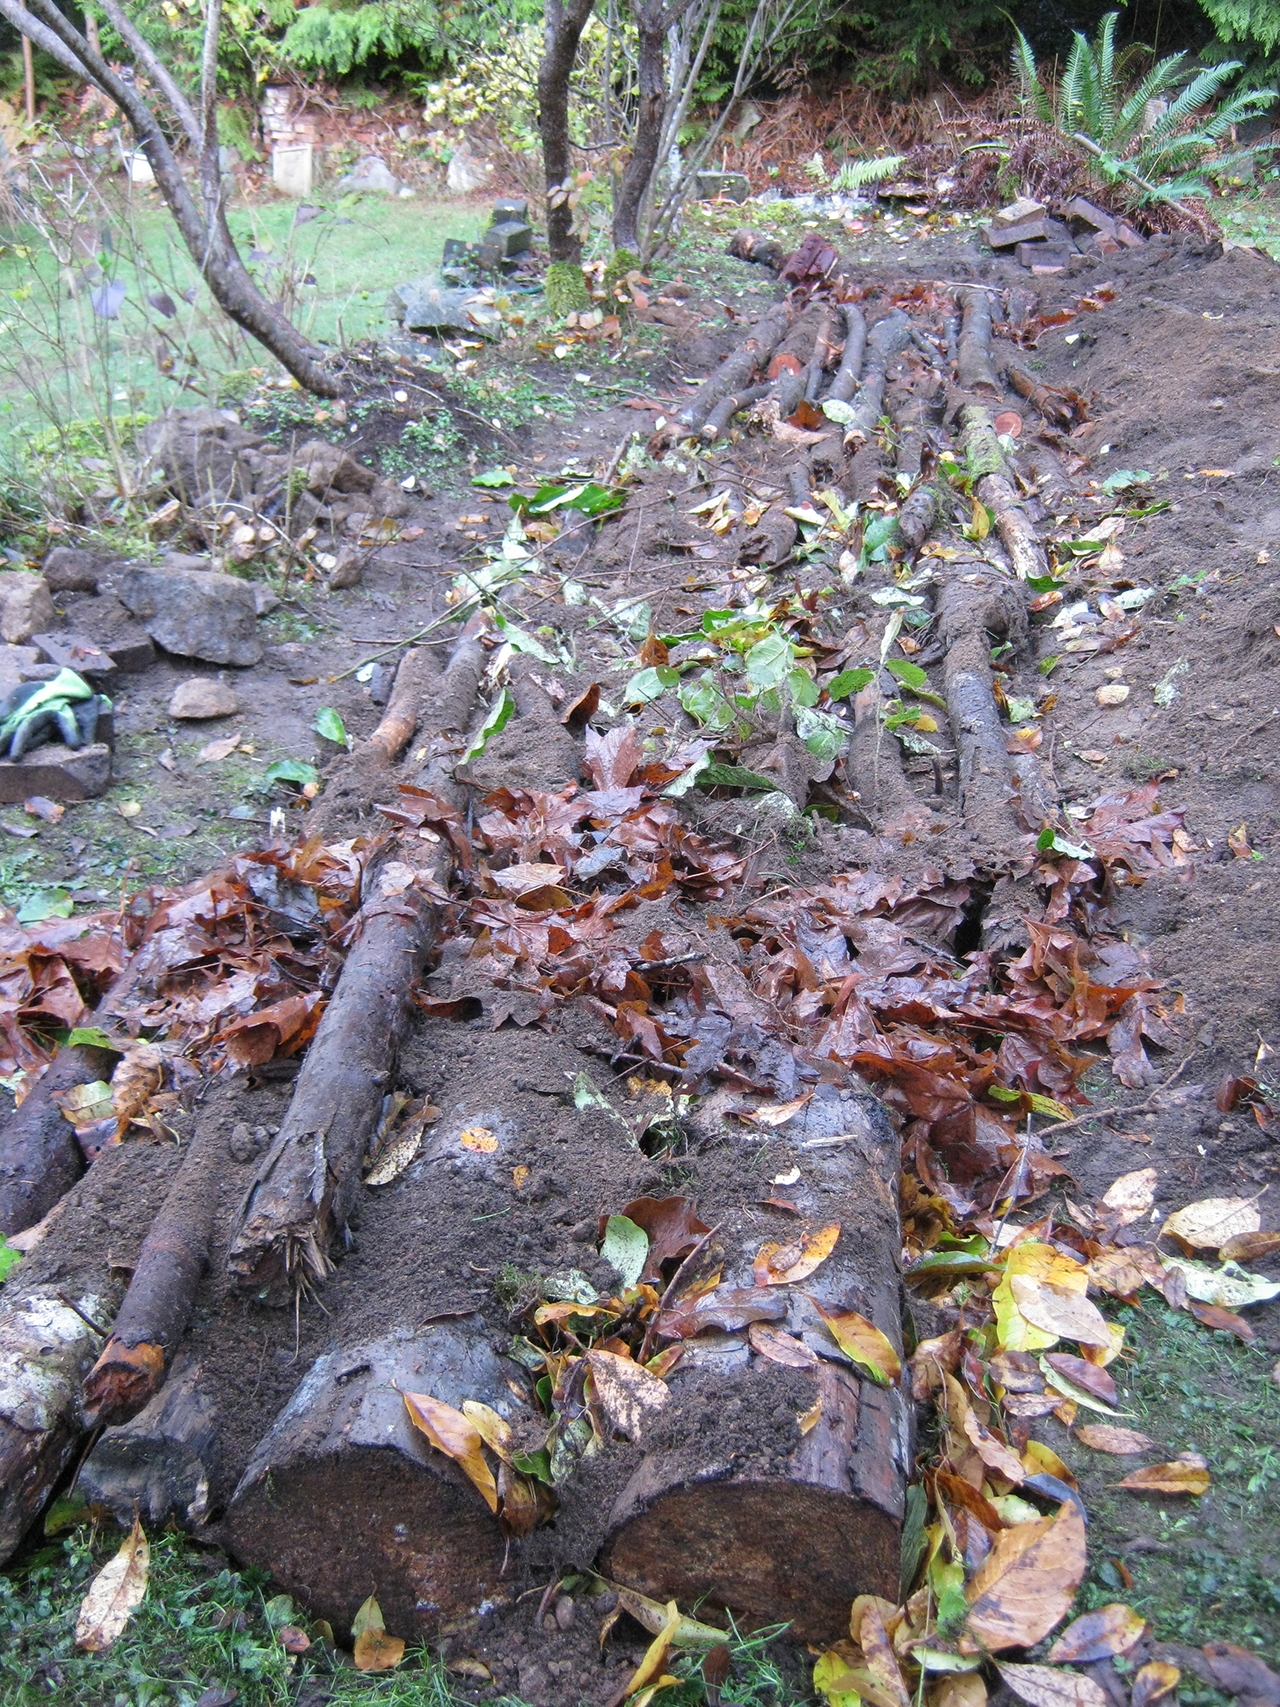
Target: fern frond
(855,174)
(1202,88)
(1162,79)
(1031,90)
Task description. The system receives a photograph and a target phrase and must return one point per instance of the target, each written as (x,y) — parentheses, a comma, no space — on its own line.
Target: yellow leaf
(777,1264)
(376,1651)
(1155,1680)
(519,1176)
(829,1672)
(1039,1459)
(1027,1582)
(1110,1630)
(863,1342)
(114,1594)
(656,1655)
(494,1430)
(867,1626)
(450,1432)
(1046,1686)
(478,1138)
(1207,1225)
(627,1393)
(1101,1356)
(1060,1311)
(1132,1194)
(809,1419)
(926,724)
(1037,1262)
(1182,1476)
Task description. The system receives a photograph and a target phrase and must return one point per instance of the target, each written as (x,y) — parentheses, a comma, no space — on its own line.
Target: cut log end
(795,1546)
(162,1463)
(121,1382)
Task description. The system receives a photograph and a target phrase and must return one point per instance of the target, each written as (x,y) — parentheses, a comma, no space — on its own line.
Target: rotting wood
(974,367)
(885,342)
(1051,404)
(164,1461)
(826,349)
(297,1208)
(40,1155)
(418,670)
(790,1534)
(343,1492)
(849,372)
(917,516)
(998,492)
(969,612)
(718,420)
(162,1290)
(738,367)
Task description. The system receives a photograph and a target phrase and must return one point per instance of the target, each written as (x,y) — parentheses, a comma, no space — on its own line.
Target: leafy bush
(1162,152)
(1252,22)
(335,38)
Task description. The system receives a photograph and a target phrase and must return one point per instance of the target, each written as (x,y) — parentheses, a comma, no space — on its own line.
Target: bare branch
(154,66)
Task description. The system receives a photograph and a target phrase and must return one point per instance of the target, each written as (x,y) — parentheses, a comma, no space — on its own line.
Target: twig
(1112,1113)
(87,1320)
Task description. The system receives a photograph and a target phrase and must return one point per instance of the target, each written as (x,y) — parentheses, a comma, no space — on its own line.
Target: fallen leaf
(775,1113)
(1239,1672)
(727,1308)
(1208,1224)
(1131,1195)
(863,1342)
(808,1420)
(1110,1630)
(494,1430)
(1046,1686)
(1080,1374)
(1179,1477)
(1250,1247)
(519,1176)
(293,1640)
(1222,1321)
(1032,1261)
(114,1594)
(672,1227)
(625,1248)
(1153,1682)
(1230,1287)
(781,1347)
(629,1396)
(479,1139)
(215,751)
(652,1663)
(1058,1310)
(523,879)
(39,807)
(867,1628)
(776,1265)
(1027,1582)
(450,1432)
(477,1670)
(374,1650)
(1122,1442)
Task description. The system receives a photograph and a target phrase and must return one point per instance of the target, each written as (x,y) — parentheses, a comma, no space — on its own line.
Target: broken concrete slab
(195,615)
(373,175)
(25,605)
(429,308)
(58,773)
(115,632)
(203,696)
(512,237)
(1126,234)
(1082,213)
(72,652)
(15,663)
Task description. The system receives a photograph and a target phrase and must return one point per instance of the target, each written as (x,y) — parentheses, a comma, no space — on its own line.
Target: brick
(1044,258)
(1124,233)
(1017,213)
(57,773)
(1084,213)
(72,652)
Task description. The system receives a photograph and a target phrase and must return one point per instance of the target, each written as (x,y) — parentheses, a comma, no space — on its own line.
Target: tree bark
(162,1290)
(998,493)
(418,669)
(205,233)
(40,1155)
(848,373)
(974,365)
(164,1461)
(653,19)
(887,340)
(344,1492)
(738,367)
(968,612)
(763,1520)
(564,22)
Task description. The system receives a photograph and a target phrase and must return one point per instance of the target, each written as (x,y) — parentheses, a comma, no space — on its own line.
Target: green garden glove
(64,709)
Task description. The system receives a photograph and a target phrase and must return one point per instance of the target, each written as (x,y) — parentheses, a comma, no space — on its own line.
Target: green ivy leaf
(909,674)
(734,776)
(331,727)
(650,683)
(289,770)
(499,715)
(769,662)
(494,477)
(625,1248)
(849,682)
(804,690)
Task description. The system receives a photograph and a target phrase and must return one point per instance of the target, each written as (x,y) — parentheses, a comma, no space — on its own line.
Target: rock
(195,615)
(129,647)
(15,664)
(194,453)
(68,569)
(735,185)
(1112,693)
(428,308)
(264,600)
(330,469)
(57,773)
(73,652)
(347,568)
(185,560)
(25,606)
(388,498)
(371,174)
(467,171)
(203,696)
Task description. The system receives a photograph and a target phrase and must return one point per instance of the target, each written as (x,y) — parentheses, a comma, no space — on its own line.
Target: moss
(566,289)
(621,263)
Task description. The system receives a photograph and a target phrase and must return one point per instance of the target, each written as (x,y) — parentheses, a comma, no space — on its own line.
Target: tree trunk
(40,1155)
(564,23)
(652,23)
(164,1462)
(344,1493)
(745,1497)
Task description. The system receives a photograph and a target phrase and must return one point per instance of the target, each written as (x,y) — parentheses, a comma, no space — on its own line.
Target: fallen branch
(848,373)
(1052,404)
(418,669)
(40,1155)
(997,492)
(736,370)
(974,366)
(885,342)
(163,1462)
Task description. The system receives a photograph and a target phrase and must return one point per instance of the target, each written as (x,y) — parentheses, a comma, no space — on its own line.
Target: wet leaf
(1250,1247)
(496,720)
(494,1430)
(781,1347)
(648,1672)
(1179,1477)
(625,1248)
(1239,1672)
(1106,1437)
(1039,1262)
(1230,1287)
(1222,1321)
(374,1650)
(1063,1312)
(628,1395)
(727,1309)
(1098,1635)
(651,1615)
(1131,1195)
(776,1265)
(1046,1686)
(1210,1223)
(479,1139)
(208,755)
(862,1341)
(673,1229)
(1027,1582)
(452,1433)
(114,1594)
(1153,1682)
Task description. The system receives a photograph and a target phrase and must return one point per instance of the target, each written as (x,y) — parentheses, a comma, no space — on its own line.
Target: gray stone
(25,606)
(510,207)
(331,469)
(185,560)
(264,600)
(428,308)
(373,175)
(467,171)
(348,568)
(512,237)
(195,615)
(68,569)
(203,696)
(15,665)
(735,185)
(70,651)
(58,773)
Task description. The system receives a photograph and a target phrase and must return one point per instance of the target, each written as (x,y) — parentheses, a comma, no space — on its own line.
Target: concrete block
(512,237)
(71,652)
(510,207)
(57,773)
(735,185)
(293,169)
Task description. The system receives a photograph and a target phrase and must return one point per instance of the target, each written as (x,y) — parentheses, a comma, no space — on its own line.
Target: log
(874,763)
(40,1155)
(848,373)
(997,491)
(343,1493)
(970,611)
(885,342)
(163,1462)
(917,516)
(162,1290)
(974,365)
(417,672)
(1052,405)
(825,352)
(732,1505)
(46,1346)
(755,247)
(736,370)
(724,411)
